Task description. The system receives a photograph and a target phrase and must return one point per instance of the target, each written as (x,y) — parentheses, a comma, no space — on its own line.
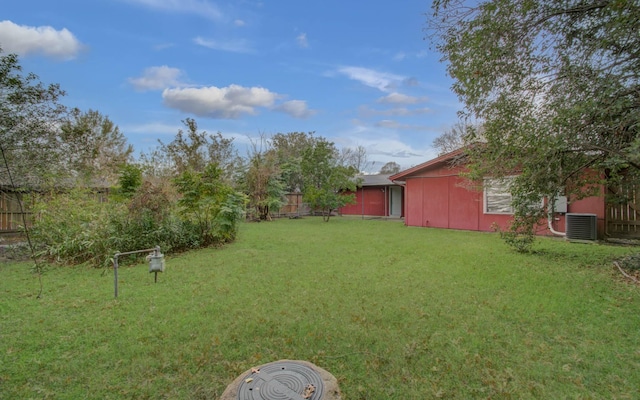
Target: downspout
(550,219)
(385,212)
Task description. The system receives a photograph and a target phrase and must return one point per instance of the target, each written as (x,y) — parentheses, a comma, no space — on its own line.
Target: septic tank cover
(284,380)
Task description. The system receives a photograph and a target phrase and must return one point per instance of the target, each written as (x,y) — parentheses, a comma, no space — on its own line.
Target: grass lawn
(393,312)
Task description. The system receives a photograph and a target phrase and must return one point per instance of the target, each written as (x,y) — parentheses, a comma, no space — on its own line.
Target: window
(497,197)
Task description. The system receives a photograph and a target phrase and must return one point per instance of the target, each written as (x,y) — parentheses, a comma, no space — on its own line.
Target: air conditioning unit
(582,227)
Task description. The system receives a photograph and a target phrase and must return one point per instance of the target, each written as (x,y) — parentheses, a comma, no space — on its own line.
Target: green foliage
(263,181)
(130,179)
(630,263)
(29,114)
(288,149)
(325,181)
(195,150)
(96,149)
(74,227)
(230,215)
(555,85)
(203,196)
(520,235)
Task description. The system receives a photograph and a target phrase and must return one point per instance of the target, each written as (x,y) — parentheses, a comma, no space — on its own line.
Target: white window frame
(498,188)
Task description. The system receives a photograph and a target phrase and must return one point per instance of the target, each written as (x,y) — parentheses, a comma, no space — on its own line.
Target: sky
(356,72)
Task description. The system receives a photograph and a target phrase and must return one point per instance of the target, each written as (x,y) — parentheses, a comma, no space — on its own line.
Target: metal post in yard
(115,265)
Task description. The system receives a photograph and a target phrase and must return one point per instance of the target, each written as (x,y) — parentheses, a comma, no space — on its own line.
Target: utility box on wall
(582,227)
(560,205)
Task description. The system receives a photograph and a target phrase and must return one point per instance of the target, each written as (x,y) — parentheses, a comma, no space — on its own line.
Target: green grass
(392,312)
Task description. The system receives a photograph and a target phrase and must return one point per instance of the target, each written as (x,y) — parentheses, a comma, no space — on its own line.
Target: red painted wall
(590,205)
(447,202)
(374,202)
(441,199)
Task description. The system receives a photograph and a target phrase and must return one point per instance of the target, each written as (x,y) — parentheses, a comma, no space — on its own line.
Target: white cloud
(367,112)
(399,98)
(198,7)
(302,40)
(25,40)
(296,108)
(382,81)
(163,46)
(239,22)
(391,124)
(383,146)
(400,56)
(234,46)
(225,103)
(157,78)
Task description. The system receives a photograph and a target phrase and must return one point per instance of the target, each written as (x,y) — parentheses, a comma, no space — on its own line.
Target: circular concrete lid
(284,380)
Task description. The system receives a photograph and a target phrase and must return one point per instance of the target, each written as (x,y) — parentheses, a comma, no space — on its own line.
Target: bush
(76,227)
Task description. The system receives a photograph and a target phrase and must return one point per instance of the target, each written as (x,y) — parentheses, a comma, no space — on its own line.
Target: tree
(289,148)
(556,86)
(209,203)
(96,149)
(30,113)
(354,157)
(130,179)
(325,180)
(263,180)
(458,136)
(194,150)
(390,168)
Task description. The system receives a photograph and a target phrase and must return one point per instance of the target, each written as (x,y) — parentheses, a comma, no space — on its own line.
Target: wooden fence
(11,217)
(623,219)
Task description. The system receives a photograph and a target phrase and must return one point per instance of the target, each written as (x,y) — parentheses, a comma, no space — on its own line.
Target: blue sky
(357,72)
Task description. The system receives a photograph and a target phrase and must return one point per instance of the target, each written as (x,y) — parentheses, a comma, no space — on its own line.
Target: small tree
(204,194)
(263,180)
(325,181)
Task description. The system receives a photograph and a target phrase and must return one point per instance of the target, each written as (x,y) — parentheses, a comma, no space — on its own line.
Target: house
(376,196)
(436,195)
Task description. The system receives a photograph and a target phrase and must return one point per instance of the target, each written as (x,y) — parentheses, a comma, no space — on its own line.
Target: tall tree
(96,149)
(390,168)
(457,136)
(194,150)
(556,85)
(354,157)
(30,113)
(289,148)
(325,180)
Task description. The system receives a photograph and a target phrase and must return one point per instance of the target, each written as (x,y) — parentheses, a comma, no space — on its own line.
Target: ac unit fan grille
(581,226)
